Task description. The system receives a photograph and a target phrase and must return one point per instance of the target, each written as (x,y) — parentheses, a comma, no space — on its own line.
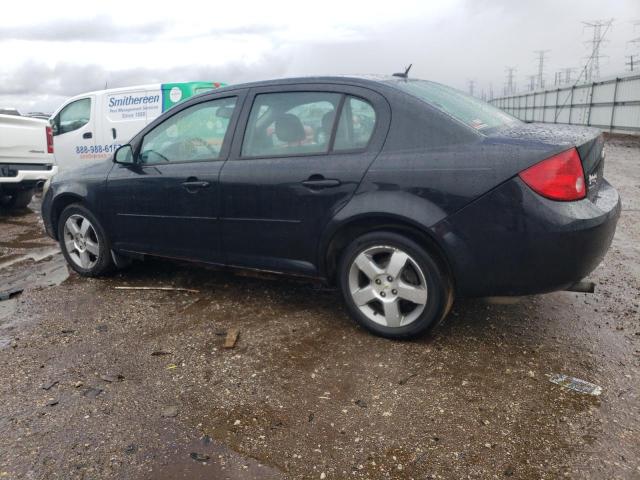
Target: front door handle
(317,182)
(193,186)
(87,135)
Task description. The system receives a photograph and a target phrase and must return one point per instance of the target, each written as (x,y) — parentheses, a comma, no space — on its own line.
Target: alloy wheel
(81,241)
(388,286)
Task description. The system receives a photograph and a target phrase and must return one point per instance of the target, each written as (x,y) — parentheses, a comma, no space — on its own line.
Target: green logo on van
(174,93)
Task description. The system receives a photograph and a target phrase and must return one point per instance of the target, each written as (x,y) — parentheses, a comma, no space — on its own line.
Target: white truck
(93,125)
(26,158)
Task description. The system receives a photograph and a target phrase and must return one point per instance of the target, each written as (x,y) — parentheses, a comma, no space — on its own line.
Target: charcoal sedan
(404,193)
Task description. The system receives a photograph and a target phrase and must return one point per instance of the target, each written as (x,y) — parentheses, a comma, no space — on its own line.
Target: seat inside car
(289,129)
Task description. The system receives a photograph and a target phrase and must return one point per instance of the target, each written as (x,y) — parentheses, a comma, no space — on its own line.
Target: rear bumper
(29,176)
(515,242)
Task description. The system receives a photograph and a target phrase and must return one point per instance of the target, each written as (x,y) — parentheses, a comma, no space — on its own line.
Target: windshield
(469,110)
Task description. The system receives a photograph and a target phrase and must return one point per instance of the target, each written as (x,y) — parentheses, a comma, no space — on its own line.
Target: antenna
(404,74)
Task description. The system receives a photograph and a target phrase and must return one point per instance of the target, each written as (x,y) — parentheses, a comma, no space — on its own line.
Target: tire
(19,199)
(398,272)
(86,246)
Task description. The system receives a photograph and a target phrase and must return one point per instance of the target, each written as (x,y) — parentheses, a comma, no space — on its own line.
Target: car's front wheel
(83,241)
(392,286)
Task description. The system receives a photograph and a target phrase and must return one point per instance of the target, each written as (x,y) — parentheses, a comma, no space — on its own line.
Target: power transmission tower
(510,85)
(472,84)
(557,78)
(541,58)
(633,63)
(600,28)
(567,74)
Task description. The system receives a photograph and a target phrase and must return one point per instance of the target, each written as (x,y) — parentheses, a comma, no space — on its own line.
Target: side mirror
(124,155)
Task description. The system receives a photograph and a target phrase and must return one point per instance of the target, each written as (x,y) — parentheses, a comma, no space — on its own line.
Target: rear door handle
(319,183)
(192,186)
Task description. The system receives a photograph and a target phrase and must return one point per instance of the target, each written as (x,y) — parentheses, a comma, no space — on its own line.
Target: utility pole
(600,28)
(541,58)
(510,86)
(532,82)
(633,63)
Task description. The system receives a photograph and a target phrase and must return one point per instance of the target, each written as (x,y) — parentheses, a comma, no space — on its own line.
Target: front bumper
(515,242)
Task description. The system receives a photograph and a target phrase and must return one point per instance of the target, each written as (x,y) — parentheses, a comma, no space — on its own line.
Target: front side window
(357,120)
(292,123)
(195,134)
(72,117)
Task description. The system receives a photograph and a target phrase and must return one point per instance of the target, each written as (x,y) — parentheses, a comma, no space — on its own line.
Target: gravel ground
(100,383)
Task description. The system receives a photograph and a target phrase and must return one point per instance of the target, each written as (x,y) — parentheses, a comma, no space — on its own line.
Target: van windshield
(469,110)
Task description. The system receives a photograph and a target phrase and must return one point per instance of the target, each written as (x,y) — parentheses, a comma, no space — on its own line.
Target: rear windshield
(469,110)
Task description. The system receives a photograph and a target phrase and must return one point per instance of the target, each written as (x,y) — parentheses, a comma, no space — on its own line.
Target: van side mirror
(124,155)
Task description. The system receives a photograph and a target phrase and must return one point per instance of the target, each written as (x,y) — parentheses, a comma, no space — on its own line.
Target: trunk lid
(588,141)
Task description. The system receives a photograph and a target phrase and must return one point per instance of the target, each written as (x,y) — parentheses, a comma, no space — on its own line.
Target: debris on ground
(112,378)
(200,457)
(170,412)
(12,292)
(170,289)
(576,384)
(159,353)
(92,392)
(49,385)
(232,338)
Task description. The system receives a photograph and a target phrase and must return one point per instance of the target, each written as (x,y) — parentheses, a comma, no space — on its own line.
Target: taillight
(49,140)
(559,177)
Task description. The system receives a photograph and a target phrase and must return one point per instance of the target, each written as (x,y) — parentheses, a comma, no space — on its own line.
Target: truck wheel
(392,286)
(83,241)
(19,199)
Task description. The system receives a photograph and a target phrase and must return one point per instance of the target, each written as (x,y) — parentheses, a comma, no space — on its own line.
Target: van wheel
(392,286)
(83,241)
(18,199)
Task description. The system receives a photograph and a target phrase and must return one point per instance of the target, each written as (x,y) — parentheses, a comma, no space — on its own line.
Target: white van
(92,126)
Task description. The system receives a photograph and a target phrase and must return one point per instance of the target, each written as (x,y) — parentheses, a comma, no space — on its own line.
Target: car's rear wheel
(392,286)
(83,241)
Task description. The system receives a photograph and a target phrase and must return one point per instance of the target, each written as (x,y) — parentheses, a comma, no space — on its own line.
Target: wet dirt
(306,393)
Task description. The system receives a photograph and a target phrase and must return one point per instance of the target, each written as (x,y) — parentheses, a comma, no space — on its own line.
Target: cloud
(37,86)
(100,28)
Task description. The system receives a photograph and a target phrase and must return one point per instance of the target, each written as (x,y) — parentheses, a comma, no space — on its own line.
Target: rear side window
(291,123)
(72,117)
(357,121)
(195,134)
(469,110)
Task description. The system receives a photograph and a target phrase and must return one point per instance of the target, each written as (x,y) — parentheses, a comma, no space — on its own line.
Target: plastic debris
(580,386)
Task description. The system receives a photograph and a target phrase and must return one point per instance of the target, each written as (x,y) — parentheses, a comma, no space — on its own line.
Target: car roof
(361,80)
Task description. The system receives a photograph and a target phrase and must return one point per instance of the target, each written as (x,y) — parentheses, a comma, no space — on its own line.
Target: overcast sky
(51,50)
